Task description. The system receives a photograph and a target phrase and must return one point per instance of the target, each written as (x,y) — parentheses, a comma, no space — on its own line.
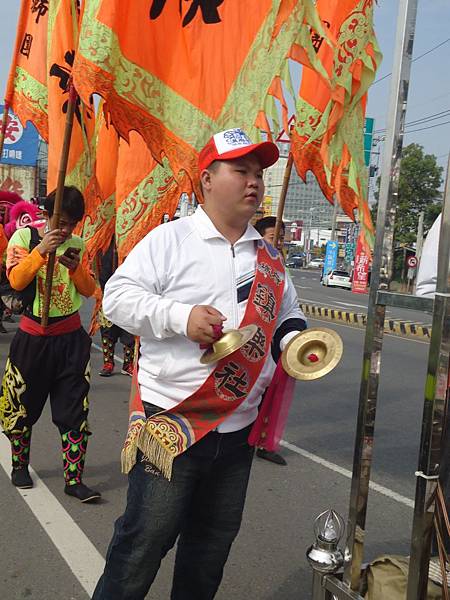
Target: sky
(430,76)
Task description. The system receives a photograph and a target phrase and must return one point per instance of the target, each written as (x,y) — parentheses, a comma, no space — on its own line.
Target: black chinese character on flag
(25,47)
(208,9)
(232,382)
(64,72)
(316,39)
(40,7)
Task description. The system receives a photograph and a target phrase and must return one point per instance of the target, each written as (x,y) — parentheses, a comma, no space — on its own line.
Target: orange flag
(98,225)
(145,191)
(328,136)
(26,91)
(177,72)
(64,16)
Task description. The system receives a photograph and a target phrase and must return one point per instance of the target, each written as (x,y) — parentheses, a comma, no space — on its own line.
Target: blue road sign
(331,254)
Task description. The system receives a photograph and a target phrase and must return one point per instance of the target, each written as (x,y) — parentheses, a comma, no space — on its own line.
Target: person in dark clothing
(111,333)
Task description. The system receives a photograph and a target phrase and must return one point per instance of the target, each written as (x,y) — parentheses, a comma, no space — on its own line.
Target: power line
(414,59)
(430,127)
(433,117)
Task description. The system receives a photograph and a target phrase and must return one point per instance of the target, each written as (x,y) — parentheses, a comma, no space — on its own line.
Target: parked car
(295,261)
(316,263)
(338,278)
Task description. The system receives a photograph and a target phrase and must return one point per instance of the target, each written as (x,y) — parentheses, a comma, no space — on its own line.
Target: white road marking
(349,304)
(86,563)
(346,473)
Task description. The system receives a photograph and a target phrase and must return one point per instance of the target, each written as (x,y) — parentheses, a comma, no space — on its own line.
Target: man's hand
(71,261)
(50,242)
(200,323)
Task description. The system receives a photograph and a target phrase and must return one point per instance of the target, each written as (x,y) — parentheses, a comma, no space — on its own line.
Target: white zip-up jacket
(427,274)
(175,267)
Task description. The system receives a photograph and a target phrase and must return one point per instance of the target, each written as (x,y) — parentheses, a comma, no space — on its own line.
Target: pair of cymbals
(309,355)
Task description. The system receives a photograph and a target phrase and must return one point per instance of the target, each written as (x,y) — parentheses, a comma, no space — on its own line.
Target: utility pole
(333,222)
(419,242)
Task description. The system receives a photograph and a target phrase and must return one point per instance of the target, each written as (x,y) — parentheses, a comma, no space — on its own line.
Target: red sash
(166,435)
(68,325)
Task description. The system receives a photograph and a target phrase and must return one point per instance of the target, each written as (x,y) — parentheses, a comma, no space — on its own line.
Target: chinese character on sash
(40,7)
(255,349)
(208,9)
(264,302)
(232,382)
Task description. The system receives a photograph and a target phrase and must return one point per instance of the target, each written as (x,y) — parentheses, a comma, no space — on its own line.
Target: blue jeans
(202,504)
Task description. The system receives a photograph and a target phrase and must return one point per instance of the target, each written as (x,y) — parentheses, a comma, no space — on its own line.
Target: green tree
(419,190)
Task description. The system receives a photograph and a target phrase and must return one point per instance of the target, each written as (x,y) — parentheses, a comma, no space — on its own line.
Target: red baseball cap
(234,143)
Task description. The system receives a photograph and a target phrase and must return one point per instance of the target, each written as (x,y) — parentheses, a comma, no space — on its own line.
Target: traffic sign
(368,136)
(411,261)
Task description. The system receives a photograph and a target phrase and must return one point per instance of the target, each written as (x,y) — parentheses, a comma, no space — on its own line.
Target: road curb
(403,328)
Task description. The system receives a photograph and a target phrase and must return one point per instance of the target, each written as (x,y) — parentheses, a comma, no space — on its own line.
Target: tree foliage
(419,190)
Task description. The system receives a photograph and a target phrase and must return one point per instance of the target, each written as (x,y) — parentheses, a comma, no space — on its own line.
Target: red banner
(360,269)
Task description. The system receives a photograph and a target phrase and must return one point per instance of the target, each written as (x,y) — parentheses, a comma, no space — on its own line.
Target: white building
(304,202)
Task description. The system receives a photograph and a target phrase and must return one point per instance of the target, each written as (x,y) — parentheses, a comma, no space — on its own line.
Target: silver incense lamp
(325,556)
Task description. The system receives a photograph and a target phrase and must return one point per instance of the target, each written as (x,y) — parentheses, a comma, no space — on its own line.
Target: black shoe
(21,478)
(271,456)
(82,492)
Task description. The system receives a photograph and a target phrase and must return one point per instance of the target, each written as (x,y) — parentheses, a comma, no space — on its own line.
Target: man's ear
(205,179)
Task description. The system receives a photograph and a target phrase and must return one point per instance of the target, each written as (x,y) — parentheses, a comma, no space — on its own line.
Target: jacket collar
(207,230)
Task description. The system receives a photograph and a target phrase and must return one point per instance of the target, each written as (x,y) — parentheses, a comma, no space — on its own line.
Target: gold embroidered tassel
(155,453)
(130,447)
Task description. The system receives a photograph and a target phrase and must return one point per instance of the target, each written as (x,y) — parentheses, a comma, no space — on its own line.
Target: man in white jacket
(426,286)
(179,284)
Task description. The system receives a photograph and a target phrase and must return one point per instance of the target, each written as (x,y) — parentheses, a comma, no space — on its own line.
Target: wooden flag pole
(4,126)
(54,223)
(284,189)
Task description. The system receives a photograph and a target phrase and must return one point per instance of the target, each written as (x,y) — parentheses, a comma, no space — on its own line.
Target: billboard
(360,270)
(20,180)
(21,143)
(267,206)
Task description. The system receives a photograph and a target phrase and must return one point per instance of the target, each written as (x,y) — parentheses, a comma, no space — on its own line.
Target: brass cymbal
(312,353)
(231,340)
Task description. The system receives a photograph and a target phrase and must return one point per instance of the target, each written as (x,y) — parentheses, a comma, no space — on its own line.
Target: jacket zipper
(234,288)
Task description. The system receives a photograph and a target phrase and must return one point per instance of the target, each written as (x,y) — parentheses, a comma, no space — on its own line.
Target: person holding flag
(54,360)
(187,450)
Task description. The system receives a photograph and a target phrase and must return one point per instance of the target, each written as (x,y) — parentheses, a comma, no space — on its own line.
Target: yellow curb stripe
(397,327)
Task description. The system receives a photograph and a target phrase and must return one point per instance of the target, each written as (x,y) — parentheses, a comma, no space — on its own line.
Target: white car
(316,263)
(338,278)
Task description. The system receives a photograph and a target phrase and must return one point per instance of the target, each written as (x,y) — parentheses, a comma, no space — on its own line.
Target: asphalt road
(311,291)
(267,561)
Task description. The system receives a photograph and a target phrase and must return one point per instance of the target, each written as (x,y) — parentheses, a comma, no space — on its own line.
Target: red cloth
(268,428)
(68,325)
